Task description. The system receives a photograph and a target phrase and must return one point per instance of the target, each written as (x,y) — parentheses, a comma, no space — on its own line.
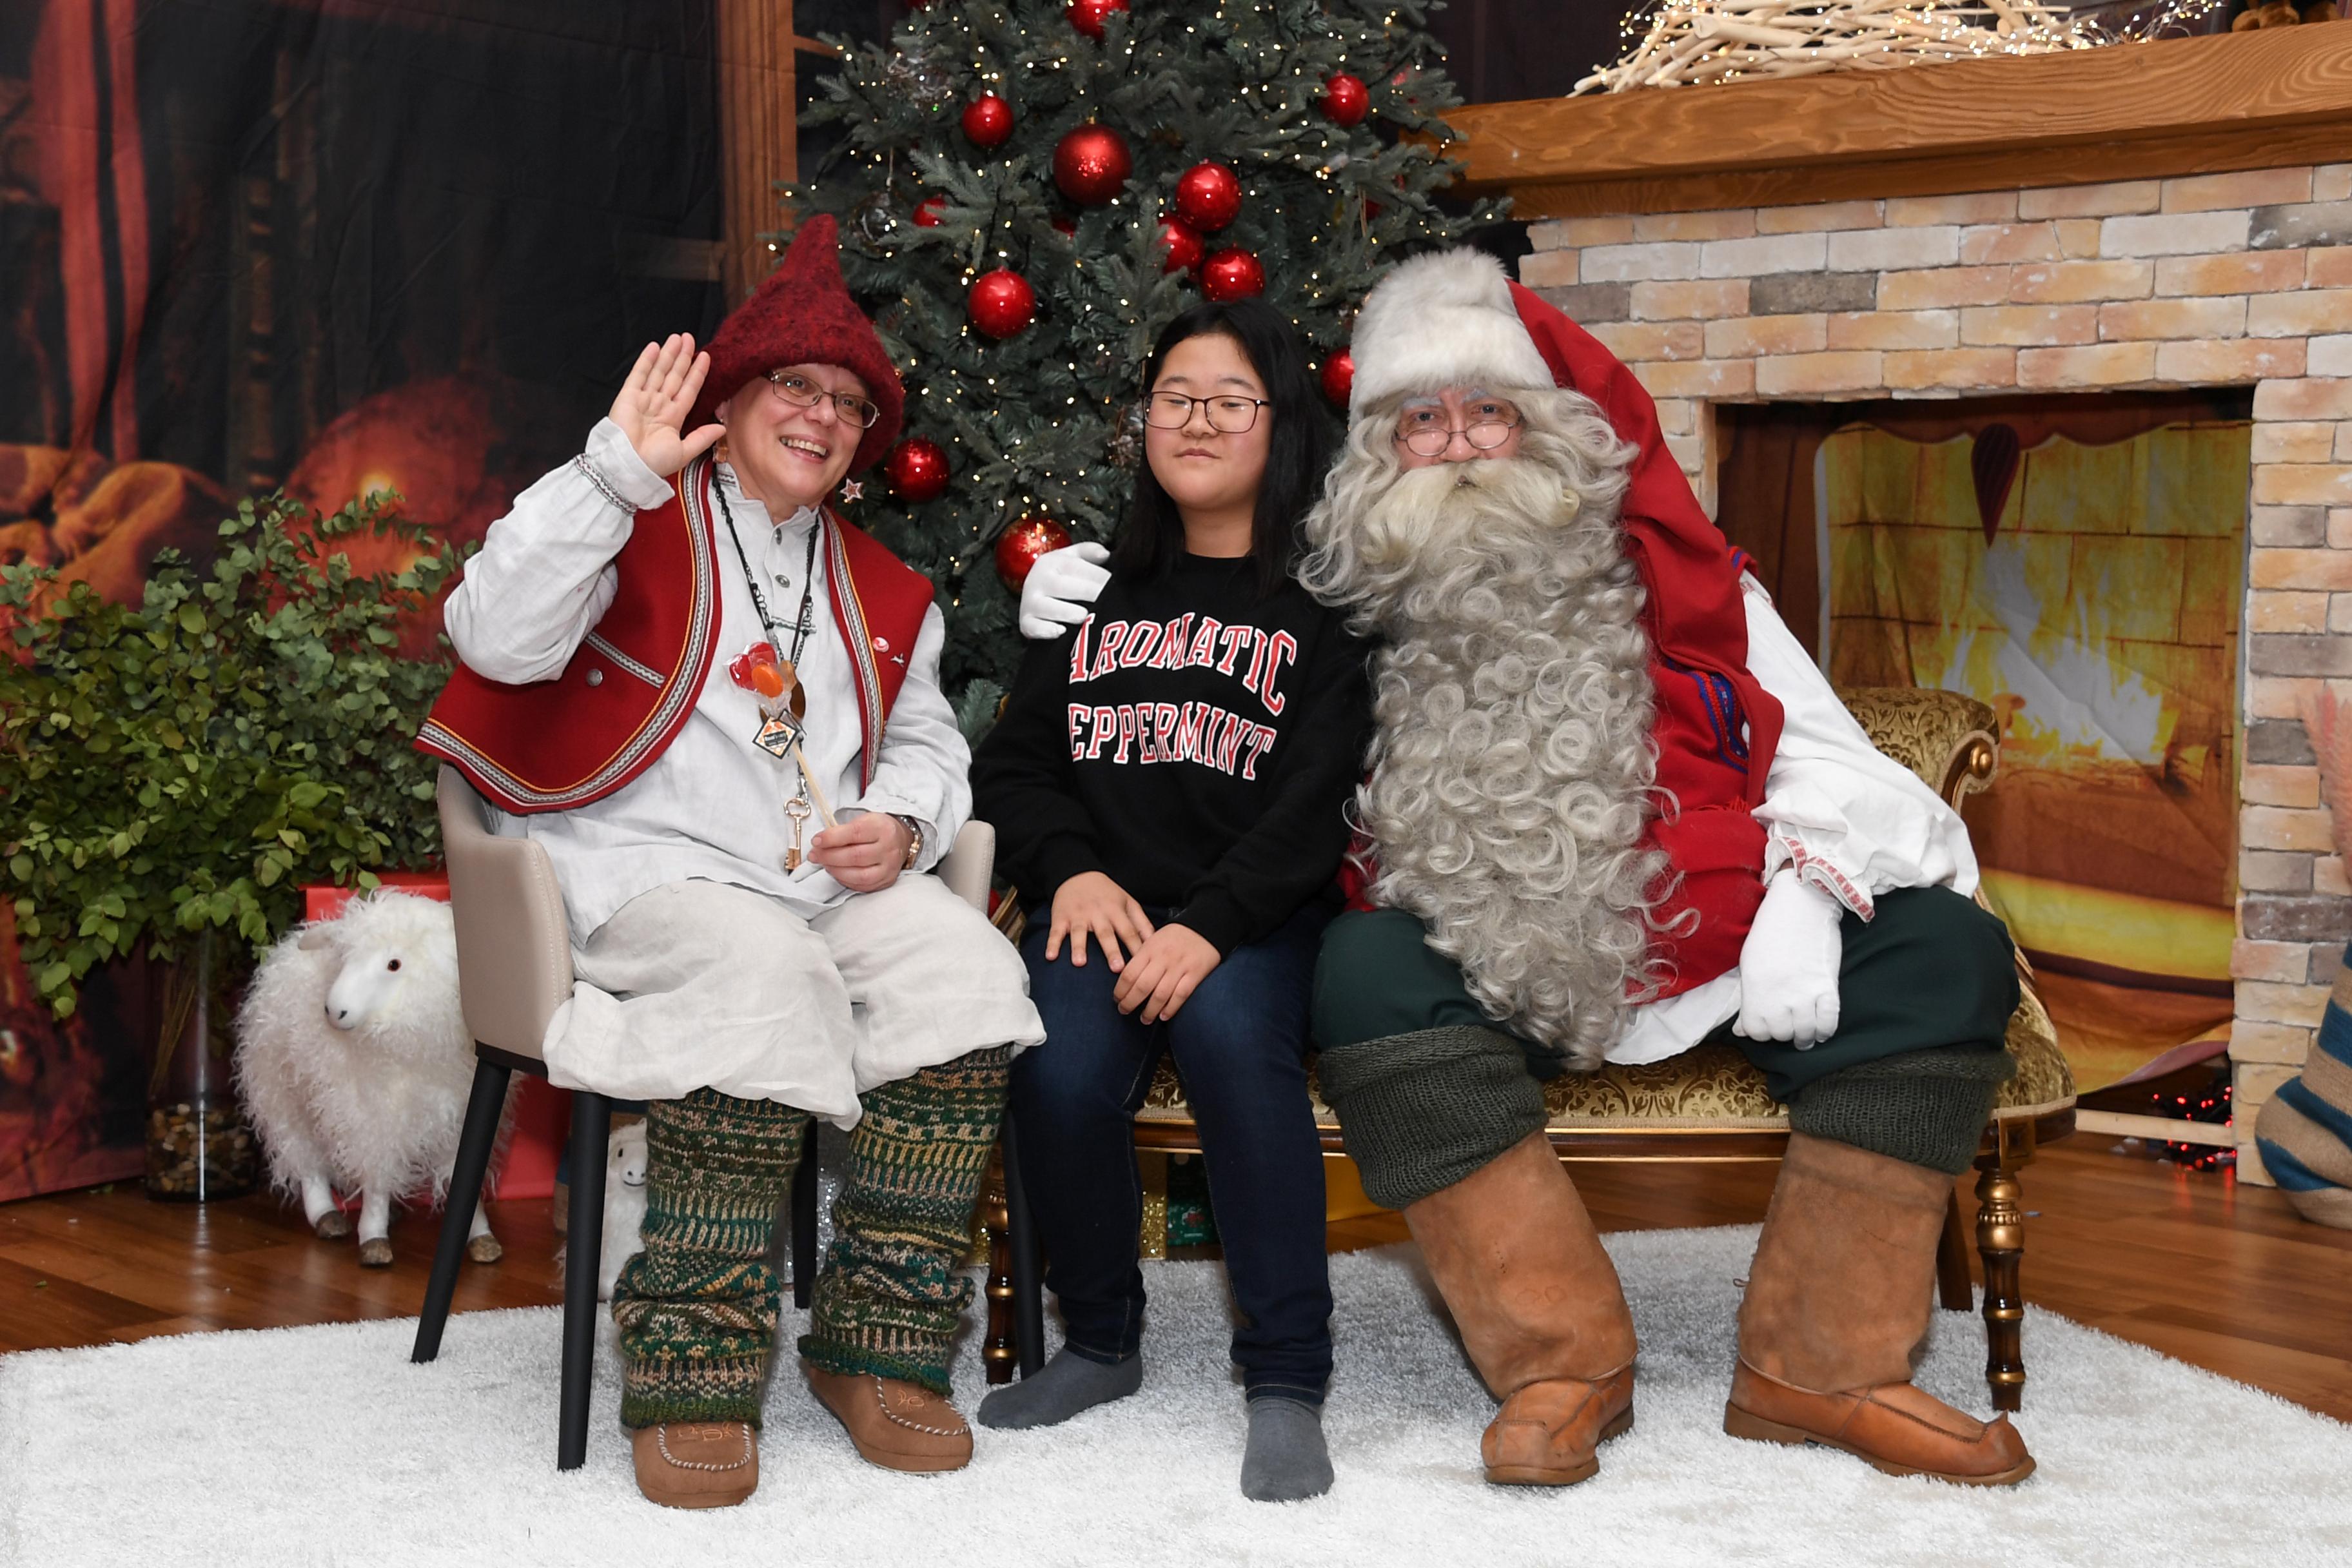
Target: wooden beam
(2234,100)
(757,133)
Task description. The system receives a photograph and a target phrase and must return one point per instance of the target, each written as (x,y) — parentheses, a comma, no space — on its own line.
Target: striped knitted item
(2304,1132)
(697,1307)
(891,1294)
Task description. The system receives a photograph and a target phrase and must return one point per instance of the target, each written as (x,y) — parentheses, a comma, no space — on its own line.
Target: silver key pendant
(798,810)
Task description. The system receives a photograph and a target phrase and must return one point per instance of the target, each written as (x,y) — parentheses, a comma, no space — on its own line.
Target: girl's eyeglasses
(1227,413)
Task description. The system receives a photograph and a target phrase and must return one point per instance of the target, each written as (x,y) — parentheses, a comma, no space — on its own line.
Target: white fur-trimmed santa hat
(1441,319)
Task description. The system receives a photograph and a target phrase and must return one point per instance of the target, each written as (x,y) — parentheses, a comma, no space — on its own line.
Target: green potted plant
(172,772)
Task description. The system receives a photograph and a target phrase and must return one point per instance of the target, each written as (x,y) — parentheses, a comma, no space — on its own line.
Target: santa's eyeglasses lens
(1425,433)
(802,392)
(1173,411)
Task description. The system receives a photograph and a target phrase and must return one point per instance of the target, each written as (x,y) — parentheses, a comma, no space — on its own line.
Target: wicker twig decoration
(1687,42)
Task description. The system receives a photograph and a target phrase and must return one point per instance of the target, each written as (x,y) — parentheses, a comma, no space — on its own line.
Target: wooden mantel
(2237,100)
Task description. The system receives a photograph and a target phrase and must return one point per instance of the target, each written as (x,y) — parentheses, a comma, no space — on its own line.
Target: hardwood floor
(2193,1265)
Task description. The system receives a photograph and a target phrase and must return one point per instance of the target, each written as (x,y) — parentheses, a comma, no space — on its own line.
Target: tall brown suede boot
(1540,1312)
(1836,1300)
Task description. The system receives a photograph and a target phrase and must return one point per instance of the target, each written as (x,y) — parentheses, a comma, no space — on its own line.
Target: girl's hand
(1163,972)
(1091,901)
(656,398)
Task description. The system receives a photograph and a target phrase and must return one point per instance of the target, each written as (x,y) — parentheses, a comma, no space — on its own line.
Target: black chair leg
(804,1222)
(1028,1303)
(484,1105)
(592,1126)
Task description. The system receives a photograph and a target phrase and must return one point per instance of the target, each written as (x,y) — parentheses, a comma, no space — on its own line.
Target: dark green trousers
(1925,990)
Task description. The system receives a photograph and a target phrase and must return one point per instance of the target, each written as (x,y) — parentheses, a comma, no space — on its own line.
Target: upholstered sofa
(1709,1105)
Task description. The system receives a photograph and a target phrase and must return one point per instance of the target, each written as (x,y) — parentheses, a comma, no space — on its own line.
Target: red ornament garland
(1232,274)
(1340,377)
(927,210)
(1182,244)
(1002,302)
(1345,100)
(1088,16)
(988,120)
(1208,197)
(1018,547)
(1091,163)
(917,468)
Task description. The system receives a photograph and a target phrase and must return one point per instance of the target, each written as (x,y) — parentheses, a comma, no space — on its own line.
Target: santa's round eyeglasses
(1486,424)
(802,392)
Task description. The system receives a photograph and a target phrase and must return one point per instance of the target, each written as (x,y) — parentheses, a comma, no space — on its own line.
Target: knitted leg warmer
(697,1307)
(1923,1108)
(1423,1111)
(893,1290)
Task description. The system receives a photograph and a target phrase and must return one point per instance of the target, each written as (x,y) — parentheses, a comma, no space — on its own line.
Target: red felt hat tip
(802,314)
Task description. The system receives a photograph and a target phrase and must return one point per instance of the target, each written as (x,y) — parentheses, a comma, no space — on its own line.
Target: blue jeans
(1240,1044)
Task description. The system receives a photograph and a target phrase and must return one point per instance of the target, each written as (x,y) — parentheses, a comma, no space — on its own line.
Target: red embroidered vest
(552,745)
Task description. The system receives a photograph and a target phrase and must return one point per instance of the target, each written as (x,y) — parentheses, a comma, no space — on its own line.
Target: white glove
(1062,584)
(1789,964)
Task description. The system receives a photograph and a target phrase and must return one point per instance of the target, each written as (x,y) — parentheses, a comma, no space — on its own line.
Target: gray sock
(1286,1460)
(1060,1390)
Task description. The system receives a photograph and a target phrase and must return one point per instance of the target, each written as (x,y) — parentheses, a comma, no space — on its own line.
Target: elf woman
(1168,783)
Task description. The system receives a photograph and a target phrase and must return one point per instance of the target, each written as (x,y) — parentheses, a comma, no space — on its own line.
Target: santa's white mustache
(1449,504)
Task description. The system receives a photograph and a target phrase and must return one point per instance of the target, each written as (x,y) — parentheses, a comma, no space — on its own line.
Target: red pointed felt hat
(802,315)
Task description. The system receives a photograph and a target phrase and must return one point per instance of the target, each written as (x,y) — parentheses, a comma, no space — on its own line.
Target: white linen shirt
(711,806)
(1853,822)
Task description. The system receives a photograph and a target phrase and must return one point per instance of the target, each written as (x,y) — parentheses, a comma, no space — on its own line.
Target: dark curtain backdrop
(327,245)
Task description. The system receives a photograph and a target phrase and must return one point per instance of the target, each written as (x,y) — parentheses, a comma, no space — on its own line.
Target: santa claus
(1613,811)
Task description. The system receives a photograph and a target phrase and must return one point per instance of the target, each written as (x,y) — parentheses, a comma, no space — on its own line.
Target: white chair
(514,970)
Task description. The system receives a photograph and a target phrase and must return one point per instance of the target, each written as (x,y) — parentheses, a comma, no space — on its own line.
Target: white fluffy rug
(325,1445)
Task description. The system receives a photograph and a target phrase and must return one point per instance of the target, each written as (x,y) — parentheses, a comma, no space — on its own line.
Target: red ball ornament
(1345,100)
(1002,302)
(988,120)
(1182,244)
(1018,547)
(1208,197)
(918,469)
(1232,274)
(1067,227)
(927,210)
(1091,163)
(1340,377)
(1088,16)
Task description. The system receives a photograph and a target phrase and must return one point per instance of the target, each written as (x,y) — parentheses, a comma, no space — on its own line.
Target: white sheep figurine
(355,1063)
(625,1205)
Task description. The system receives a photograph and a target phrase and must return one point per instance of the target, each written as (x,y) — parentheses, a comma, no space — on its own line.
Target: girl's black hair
(1298,448)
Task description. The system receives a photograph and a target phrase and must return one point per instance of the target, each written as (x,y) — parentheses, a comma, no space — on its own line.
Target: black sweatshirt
(1191,741)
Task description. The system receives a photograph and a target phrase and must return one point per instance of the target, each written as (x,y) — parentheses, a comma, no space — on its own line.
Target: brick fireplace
(2236,278)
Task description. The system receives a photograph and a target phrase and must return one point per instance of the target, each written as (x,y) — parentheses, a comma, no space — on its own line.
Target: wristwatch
(914,846)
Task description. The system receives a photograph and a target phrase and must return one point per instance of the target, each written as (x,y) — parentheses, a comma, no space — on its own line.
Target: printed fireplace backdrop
(2078,564)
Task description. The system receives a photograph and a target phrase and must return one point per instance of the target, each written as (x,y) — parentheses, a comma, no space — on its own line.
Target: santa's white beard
(1512,765)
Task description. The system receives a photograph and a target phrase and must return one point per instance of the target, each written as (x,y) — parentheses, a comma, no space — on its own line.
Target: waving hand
(656,400)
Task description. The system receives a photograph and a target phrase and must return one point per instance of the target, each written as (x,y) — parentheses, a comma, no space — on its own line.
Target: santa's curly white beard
(1512,767)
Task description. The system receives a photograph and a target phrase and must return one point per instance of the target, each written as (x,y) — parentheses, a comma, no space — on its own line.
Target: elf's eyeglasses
(1173,411)
(1486,424)
(802,392)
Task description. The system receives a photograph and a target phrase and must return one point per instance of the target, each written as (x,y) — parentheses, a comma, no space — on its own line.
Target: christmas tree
(1028,191)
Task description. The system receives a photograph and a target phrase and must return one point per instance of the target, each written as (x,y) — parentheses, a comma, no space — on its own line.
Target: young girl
(1169,782)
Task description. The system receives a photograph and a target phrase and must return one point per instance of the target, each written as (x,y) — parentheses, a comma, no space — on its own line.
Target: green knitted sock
(893,1290)
(697,1307)
(1925,1107)
(1421,1111)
